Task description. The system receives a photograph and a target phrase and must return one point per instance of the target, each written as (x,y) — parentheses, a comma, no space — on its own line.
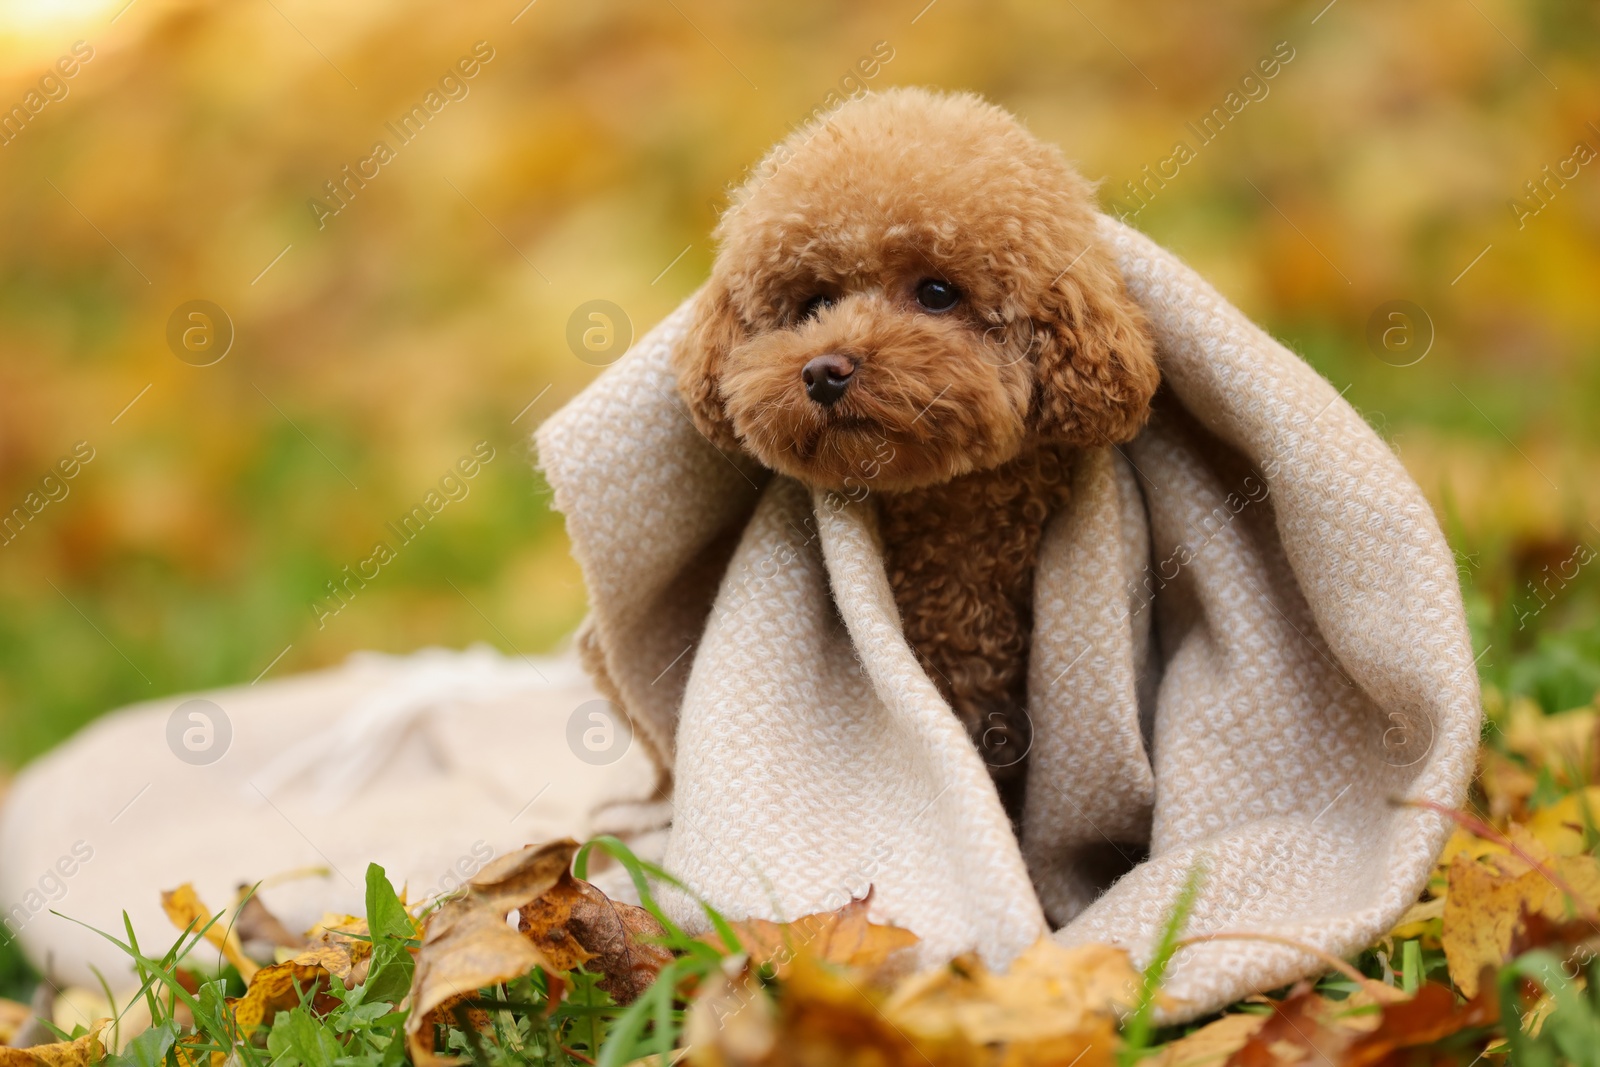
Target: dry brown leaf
(259,931)
(339,944)
(1305,1027)
(465,950)
(82,1052)
(1427,1018)
(844,937)
(545,921)
(1210,1045)
(186,910)
(467,943)
(1053,1006)
(279,988)
(1491,902)
(1048,992)
(1319,1032)
(731,1020)
(510,881)
(824,1017)
(574,923)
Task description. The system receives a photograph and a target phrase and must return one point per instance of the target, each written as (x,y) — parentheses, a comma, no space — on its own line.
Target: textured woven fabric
(1249,647)
(429,764)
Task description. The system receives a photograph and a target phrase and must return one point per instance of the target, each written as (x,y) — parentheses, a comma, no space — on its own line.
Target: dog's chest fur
(961,559)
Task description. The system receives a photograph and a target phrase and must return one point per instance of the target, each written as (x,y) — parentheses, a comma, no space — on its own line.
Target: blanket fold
(1249,652)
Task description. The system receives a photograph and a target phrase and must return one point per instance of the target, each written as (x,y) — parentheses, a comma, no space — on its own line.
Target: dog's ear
(698,358)
(1095,369)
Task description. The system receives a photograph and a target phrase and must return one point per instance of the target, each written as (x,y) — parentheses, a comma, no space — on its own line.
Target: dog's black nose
(826,378)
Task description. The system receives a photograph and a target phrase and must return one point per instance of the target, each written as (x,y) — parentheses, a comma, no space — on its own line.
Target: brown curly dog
(910,297)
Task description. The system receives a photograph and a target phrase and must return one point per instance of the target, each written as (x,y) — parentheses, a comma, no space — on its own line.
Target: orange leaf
(843,937)
(279,988)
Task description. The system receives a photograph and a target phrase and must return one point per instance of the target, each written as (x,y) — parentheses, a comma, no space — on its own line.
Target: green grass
(365,1026)
(17,978)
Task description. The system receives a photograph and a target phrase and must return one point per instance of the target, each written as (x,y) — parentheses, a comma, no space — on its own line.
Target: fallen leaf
(731,1020)
(844,937)
(1492,900)
(1418,921)
(1431,1016)
(1506,784)
(187,911)
(1464,842)
(81,1052)
(279,987)
(1210,1045)
(1048,992)
(545,921)
(260,932)
(573,924)
(1563,743)
(467,944)
(824,1016)
(190,1056)
(512,880)
(341,945)
(1562,827)
(1358,1031)
(1302,1028)
(1052,1006)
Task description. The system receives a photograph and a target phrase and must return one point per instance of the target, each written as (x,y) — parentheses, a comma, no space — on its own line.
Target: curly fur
(960,423)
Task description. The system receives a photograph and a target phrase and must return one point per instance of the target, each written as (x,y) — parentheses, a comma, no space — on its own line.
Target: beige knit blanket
(1249,651)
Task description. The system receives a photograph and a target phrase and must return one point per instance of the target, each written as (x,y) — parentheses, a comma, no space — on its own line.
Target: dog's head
(908,290)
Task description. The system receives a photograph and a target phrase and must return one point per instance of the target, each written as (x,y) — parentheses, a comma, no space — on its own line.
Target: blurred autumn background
(1384,160)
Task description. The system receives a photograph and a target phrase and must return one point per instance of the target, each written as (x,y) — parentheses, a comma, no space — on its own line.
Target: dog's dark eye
(810,308)
(935,295)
